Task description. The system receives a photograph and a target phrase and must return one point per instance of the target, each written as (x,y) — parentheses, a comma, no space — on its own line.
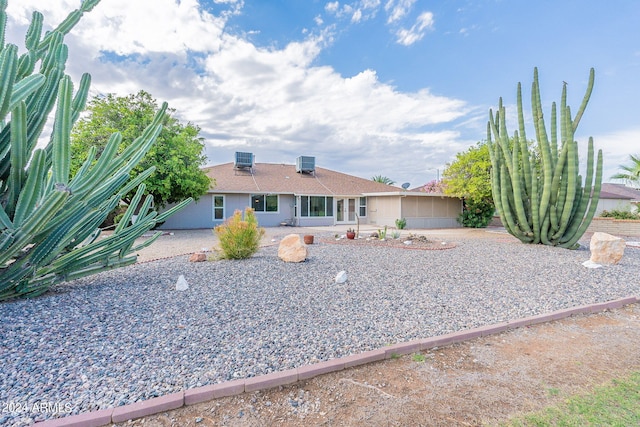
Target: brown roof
(619,191)
(283,179)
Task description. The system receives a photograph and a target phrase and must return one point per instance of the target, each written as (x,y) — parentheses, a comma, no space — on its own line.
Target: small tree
(240,238)
(177,154)
(468,177)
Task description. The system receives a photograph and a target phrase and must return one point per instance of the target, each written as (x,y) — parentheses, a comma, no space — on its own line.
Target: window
(363,206)
(319,206)
(264,202)
(218,208)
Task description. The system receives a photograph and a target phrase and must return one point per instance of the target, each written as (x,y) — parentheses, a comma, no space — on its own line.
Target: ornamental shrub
(240,237)
(401,223)
(476,213)
(619,214)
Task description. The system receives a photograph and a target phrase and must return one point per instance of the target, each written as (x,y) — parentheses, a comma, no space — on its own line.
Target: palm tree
(383,180)
(631,173)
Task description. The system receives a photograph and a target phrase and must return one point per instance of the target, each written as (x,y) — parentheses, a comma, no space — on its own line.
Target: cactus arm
(535,211)
(61,132)
(135,201)
(34,32)
(555,186)
(24,88)
(543,143)
(18,156)
(585,100)
(516,181)
(8,71)
(523,140)
(572,176)
(166,214)
(586,196)
(592,207)
(80,183)
(3,21)
(5,221)
(80,99)
(554,136)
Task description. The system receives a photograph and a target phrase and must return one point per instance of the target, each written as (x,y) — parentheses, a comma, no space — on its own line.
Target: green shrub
(476,214)
(619,214)
(240,238)
(401,223)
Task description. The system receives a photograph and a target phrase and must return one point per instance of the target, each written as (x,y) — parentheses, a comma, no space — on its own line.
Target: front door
(345,211)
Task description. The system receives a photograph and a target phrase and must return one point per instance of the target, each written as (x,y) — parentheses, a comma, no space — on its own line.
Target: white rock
(606,249)
(292,249)
(181,284)
(408,242)
(341,277)
(591,264)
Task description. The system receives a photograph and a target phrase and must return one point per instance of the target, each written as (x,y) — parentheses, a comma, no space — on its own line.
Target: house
(618,197)
(303,194)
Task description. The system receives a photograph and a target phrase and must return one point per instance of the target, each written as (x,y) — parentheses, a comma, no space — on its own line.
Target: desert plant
(401,223)
(49,219)
(543,204)
(240,237)
(382,234)
(619,214)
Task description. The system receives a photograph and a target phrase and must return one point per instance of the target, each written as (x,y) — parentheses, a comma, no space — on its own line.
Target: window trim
(328,206)
(362,206)
(214,207)
(265,195)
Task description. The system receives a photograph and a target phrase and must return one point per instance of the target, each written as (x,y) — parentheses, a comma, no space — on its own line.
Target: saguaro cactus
(48,219)
(543,200)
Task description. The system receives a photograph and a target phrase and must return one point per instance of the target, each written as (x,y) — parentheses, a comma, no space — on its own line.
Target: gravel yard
(127,335)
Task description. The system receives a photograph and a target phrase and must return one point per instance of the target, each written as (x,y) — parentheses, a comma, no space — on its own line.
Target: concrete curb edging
(263,382)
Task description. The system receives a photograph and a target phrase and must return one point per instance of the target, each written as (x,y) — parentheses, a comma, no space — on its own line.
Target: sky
(368,87)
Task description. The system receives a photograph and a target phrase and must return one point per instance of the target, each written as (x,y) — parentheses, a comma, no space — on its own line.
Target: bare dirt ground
(480,382)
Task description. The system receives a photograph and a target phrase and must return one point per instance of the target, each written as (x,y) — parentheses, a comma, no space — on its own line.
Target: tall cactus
(48,219)
(543,200)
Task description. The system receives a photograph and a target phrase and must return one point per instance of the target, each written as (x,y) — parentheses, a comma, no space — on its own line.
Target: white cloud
(357,16)
(274,102)
(332,7)
(616,148)
(398,9)
(417,31)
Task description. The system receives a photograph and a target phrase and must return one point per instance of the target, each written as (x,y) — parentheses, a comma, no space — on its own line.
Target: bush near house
(240,238)
(619,214)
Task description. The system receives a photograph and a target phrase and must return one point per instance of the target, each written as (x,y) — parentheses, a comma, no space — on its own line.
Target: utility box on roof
(305,164)
(243,160)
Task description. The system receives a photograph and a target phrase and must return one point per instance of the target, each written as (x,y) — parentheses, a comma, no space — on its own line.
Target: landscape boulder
(606,249)
(198,257)
(292,249)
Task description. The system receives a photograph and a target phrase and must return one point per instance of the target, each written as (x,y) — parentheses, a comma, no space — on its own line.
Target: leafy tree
(383,180)
(631,172)
(177,154)
(469,177)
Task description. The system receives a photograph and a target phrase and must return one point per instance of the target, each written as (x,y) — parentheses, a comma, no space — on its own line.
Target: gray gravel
(127,335)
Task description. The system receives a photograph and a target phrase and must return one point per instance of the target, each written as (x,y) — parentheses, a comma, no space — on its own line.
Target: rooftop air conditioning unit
(305,164)
(243,160)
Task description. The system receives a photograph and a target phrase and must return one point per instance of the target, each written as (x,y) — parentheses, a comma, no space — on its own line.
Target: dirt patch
(478,382)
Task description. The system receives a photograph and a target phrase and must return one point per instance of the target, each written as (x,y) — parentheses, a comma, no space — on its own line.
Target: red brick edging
(291,376)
